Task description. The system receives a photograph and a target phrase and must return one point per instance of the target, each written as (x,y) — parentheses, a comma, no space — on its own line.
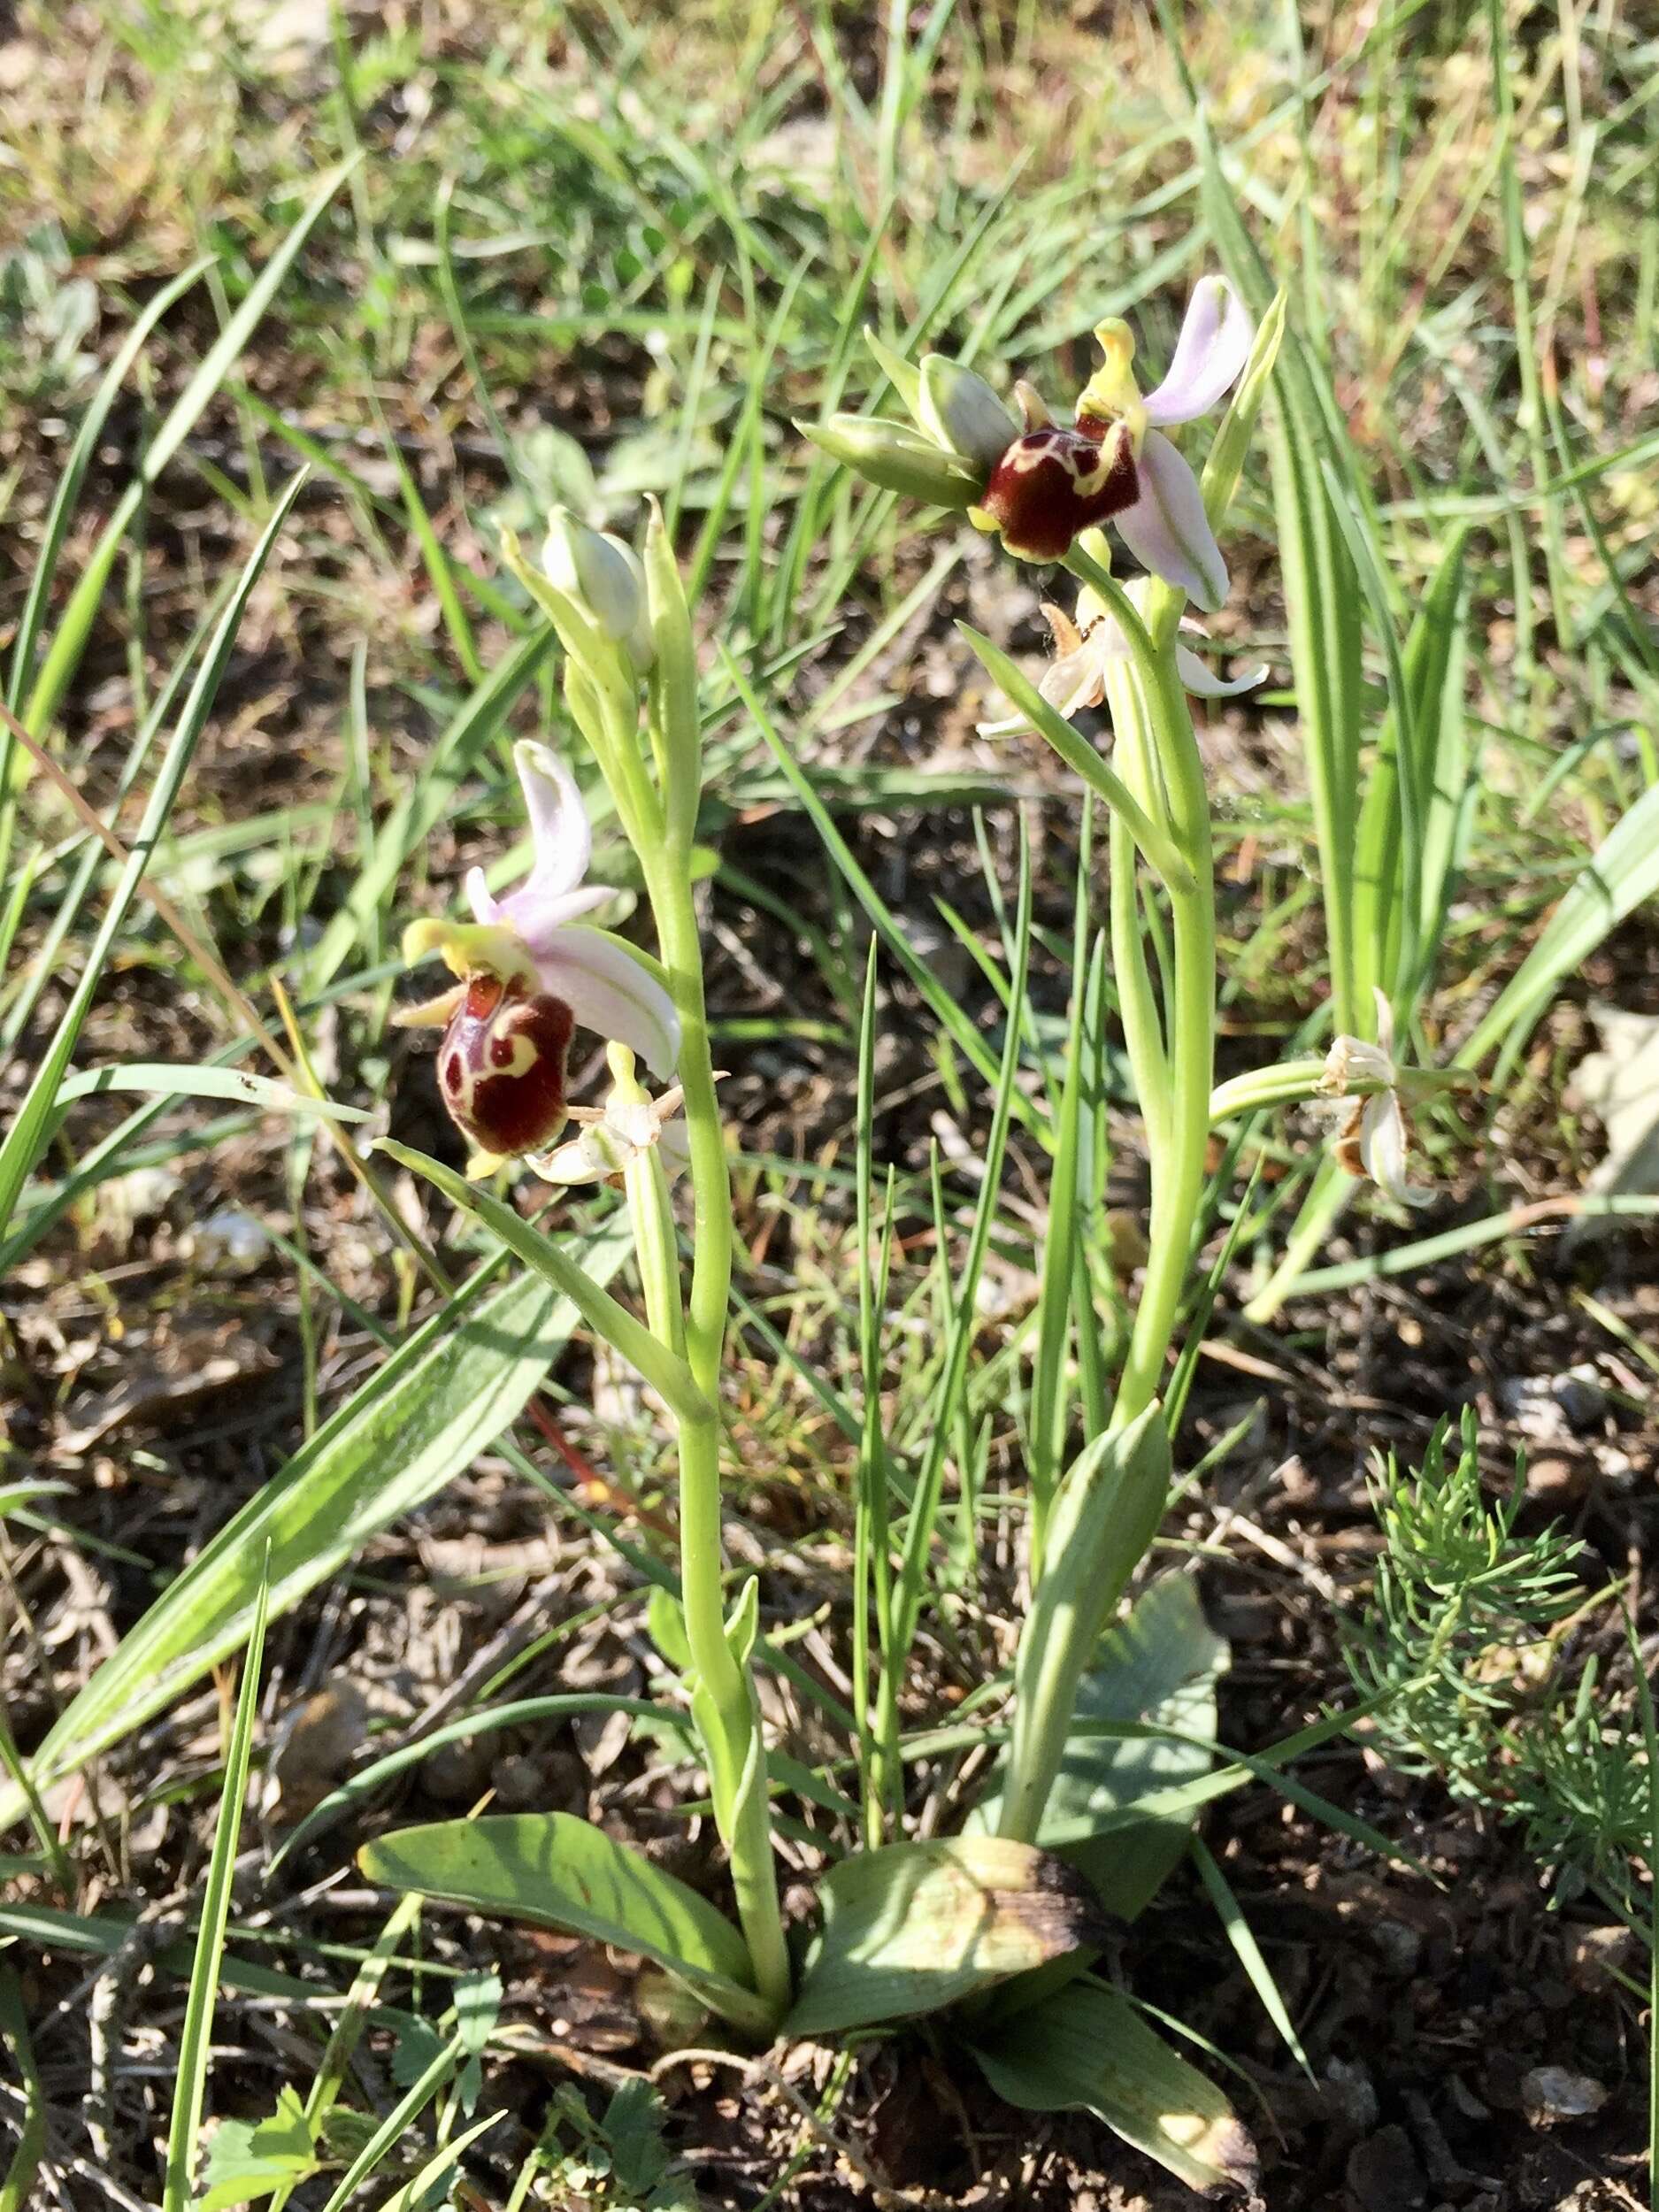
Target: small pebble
(455,1771)
(519,1784)
(1550,2094)
(229,1242)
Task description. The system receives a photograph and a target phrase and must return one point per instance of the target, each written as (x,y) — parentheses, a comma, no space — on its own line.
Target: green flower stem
(730,1694)
(1287,1083)
(658,814)
(603,694)
(1178,1121)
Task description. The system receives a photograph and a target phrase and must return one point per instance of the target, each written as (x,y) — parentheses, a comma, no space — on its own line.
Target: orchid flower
(1076,677)
(1117,464)
(1038,485)
(1373,1139)
(614,1136)
(530,976)
(1165,527)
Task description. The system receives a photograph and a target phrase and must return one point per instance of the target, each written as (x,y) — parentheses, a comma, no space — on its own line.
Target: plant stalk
(736,1751)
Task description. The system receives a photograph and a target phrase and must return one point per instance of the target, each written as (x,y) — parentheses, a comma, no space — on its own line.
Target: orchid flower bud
(602,574)
(898,460)
(963,414)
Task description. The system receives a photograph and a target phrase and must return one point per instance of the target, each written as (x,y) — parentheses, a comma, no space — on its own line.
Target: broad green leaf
(1160,1665)
(1086,2048)
(561,1872)
(250,2158)
(1621,873)
(195,2039)
(442,1398)
(911,1927)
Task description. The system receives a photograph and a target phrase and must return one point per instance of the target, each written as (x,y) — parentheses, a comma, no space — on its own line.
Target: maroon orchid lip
(502,1065)
(1053,482)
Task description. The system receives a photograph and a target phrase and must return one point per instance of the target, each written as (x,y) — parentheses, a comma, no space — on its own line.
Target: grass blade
(195,2041)
(26,1136)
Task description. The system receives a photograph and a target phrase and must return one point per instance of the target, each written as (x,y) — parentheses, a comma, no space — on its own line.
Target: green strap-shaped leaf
(195,2039)
(165,1079)
(1158,1665)
(442,1399)
(1088,2049)
(1104,1517)
(912,1927)
(562,1872)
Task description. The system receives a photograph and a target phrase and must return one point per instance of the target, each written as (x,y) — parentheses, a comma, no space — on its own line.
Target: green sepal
(960,410)
(904,376)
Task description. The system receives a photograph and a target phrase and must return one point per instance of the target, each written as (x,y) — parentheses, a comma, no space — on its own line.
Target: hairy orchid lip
(502,1065)
(1052,483)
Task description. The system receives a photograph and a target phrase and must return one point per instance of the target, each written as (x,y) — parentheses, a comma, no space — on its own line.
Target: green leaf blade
(911,1928)
(1086,2048)
(557,1871)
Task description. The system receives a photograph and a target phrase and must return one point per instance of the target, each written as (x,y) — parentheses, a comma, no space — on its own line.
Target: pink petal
(1215,344)
(560,843)
(1167,530)
(610,991)
(559,833)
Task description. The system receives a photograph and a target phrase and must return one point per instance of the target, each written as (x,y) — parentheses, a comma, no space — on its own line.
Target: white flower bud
(603,576)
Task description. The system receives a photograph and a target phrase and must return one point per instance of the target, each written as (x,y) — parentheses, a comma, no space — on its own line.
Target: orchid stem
(1173,1060)
(727,1706)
